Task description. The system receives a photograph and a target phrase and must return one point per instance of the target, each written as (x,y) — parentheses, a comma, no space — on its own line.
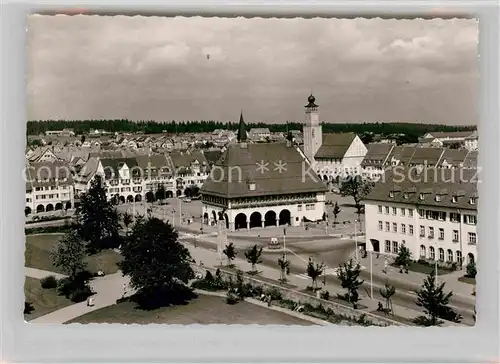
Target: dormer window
(421,196)
(438,198)
(472,200)
(405,196)
(251,186)
(454,199)
(391,194)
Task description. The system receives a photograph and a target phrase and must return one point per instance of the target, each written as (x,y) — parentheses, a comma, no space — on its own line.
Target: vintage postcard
(251,171)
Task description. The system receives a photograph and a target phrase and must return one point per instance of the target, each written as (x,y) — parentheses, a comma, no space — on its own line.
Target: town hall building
(262,184)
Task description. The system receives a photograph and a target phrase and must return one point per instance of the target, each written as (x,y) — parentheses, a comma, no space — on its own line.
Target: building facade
(49,187)
(433,214)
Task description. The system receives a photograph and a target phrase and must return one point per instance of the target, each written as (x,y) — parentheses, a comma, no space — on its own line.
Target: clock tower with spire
(312,130)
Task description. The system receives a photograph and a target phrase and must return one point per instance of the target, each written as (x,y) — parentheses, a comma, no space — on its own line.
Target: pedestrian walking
(124,290)
(385,265)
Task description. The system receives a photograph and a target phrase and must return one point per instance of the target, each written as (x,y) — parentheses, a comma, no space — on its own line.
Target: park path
(108,289)
(39,273)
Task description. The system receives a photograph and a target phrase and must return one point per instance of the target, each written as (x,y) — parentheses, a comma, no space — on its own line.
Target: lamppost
(284,243)
(356,241)
(324,273)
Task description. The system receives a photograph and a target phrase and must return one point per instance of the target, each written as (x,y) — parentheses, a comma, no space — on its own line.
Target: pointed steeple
(242,132)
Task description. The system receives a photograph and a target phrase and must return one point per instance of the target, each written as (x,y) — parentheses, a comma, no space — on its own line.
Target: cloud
(157,68)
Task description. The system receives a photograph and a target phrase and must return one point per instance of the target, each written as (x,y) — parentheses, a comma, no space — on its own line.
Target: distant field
(203,310)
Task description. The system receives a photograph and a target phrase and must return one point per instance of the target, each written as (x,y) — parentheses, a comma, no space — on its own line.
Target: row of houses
(53,183)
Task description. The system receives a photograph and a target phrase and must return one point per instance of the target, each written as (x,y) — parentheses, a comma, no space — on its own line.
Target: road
(405,295)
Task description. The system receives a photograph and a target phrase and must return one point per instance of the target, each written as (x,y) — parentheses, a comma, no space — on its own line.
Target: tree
(336,211)
(98,220)
(27,211)
(161,193)
(355,187)
(284,264)
(471,270)
(127,220)
(434,301)
(387,292)
(348,273)
(158,265)
(230,253)
(314,271)
(253,255)
(69,254)
(82,139)
(404,257)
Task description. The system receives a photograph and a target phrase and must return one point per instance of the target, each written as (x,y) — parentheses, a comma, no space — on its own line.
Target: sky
(155,68)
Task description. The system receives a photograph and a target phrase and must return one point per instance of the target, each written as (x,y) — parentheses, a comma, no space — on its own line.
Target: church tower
(312,130)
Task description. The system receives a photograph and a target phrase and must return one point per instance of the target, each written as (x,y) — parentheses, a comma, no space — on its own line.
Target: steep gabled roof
(335,145)
(258,163)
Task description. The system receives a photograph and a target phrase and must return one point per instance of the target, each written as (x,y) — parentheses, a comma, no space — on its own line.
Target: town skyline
(162,69)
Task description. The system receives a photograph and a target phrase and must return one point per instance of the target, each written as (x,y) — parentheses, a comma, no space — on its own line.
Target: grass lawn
(257,275)
(202,310)
(38,248)
(468,280)
(44,301)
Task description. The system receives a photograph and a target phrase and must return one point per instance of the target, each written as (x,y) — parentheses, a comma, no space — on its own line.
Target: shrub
(80,294)
(274,293)
(231,298)
(28,308)
(471,270)
(48,282)
(325,295)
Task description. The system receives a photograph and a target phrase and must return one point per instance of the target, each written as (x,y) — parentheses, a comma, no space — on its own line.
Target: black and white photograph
(269,171)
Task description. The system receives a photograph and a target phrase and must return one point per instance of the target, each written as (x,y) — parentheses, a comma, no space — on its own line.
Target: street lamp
(324,273)
(356,240)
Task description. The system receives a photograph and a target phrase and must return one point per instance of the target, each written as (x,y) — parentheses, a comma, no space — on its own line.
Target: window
(450,255)
(454,199)
(387,209)
(394,227)
(403,228)
(459,257)
(394,210)
(472,200)
(421,196)
(423,253)
(421,213)
(455,236)
(438,198)
(422,230)
(395,247)
(410,212)
(454,217)
(380,226)
(410,228)
(470,219)
(387,246)
(441,254)
(387,226)
(380,209)
(441,234)
(472,238)
(391,194)
(432,253)
(403,212)
(299,207)
(442,216)
(431,232)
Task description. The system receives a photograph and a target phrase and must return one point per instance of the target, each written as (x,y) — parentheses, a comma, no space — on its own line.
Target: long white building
(433,213)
